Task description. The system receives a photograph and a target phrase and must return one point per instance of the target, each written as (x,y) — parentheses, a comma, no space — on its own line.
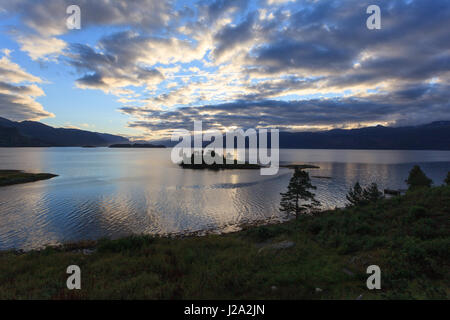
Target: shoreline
(172,236)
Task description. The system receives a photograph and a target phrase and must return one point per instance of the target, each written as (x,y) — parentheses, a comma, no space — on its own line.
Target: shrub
(125,244)
(417,212)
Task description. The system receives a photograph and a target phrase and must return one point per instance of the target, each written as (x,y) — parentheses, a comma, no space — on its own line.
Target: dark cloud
(329,36)
(212,10)
(401,105)
(231,36)
(48,17)
(117,68)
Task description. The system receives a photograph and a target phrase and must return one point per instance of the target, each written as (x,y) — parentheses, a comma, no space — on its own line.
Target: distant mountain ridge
(432,136)
(36,134)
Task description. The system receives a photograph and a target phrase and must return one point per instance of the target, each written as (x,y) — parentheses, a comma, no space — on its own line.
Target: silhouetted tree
(417,179)
(355,195)
(298,199)
(447,180)
(372,194)
(358,196)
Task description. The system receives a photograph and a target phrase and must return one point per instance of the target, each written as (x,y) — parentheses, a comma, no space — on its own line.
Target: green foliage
(417,212)
(124,244)
(298,199)
(407,236)
(418,179)
(357,196)
(447,179)
(264,233)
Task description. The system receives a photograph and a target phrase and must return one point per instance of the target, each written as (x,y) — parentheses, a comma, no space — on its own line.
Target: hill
(433,136)
(36,134)
(136,145)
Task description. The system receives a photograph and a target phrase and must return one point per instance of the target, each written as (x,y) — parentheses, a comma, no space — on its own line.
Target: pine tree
(372,194)
(358,196)
(298,199)
(447,180)
(355,195)
(417,179)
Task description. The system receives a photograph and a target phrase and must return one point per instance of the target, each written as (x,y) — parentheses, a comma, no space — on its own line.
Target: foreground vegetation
(313,257)
(10,177)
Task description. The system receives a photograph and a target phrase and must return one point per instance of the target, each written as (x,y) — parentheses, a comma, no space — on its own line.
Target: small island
(300,166)
(136,145)
(190,164)
(10,177)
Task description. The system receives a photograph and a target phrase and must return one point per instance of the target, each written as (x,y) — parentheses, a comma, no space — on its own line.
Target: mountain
(36,134)
(136,145)
(433,136)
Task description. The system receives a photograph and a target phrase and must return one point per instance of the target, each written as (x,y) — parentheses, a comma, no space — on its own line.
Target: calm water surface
(116,192)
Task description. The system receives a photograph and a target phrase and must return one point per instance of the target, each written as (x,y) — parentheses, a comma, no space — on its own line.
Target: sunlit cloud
(18,91)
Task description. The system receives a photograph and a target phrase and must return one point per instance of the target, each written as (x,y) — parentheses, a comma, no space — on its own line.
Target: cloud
(116,69)
(43,20)
(18,91)
(12,72)
(231,37)
(48,17)
(41,47)
(211,11)
(404,105)
(255,63)
(277,2)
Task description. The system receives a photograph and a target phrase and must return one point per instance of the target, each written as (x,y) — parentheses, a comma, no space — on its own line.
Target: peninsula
(10,177)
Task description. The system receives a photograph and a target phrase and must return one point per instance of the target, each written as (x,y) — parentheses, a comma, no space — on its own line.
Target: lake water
(111,193)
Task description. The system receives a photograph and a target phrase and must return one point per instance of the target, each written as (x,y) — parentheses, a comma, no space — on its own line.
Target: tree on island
(357,196)
(447,180)
(418,179)
(298,199)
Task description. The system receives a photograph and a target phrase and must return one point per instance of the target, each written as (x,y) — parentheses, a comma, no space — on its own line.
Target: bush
(125,244)
(424,229)
(315,227)
(264,233)
(416,212)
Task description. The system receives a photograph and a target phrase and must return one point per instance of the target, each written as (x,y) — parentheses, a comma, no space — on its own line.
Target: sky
(143,68)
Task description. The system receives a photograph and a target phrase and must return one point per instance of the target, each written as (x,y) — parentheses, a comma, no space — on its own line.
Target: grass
(10,177)
(407,236)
